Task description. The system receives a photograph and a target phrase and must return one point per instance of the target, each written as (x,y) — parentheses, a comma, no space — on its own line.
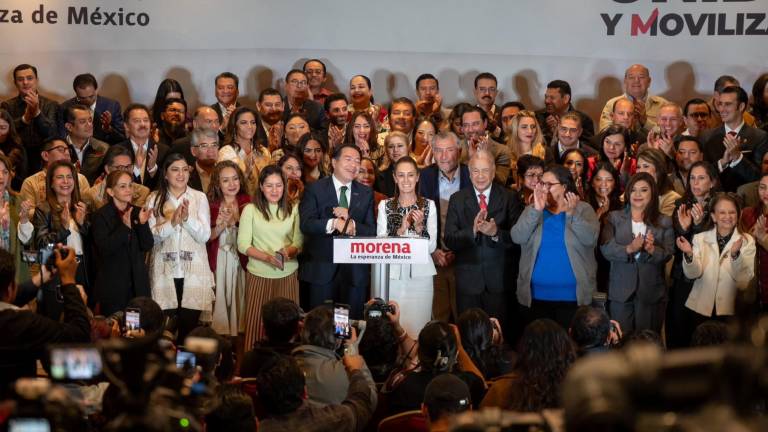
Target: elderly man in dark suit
(34,116)
(477,230)
(735,148)
(146,154)
(107,119)
(439,182)
(336,205)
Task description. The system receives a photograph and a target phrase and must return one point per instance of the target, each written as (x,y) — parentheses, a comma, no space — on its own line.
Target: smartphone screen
(29,425)
(341,328)
(75,363)
(132,319)
(281,258)
(185,359)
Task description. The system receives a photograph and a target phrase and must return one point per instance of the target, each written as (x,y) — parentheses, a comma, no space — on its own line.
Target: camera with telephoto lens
(378,308)
(43,256)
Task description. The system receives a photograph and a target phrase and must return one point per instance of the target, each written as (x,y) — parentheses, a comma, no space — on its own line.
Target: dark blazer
(642,276)
(583,146)
(32,135)
(121,273)
(92,166)
(385,181)
(429,187)
(754,147)
(103,104)
(315,209)
(216,107)
(481,263)
(313,111)
(587,125)
(183,146)
(149,181)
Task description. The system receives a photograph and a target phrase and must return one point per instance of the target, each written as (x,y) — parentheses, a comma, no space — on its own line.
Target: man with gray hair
(204,117)
(477,230)
(637,81)
(439,182)
(205,150)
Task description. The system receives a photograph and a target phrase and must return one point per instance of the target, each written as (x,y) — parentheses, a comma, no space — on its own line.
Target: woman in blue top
(559,233)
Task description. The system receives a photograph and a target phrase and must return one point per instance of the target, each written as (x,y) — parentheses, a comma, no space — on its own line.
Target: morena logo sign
(704,20)
(380,248)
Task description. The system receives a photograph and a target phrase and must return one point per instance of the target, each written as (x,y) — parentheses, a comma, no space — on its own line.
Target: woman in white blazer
(409,215)
(721,261)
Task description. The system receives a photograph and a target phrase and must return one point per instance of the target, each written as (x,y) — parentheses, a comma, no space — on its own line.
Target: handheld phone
(75,363)
(341,326)
(29,425)
(132,319)
(280,258)
(185,359)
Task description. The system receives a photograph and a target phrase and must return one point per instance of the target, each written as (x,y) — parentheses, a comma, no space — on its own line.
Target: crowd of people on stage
(218,222)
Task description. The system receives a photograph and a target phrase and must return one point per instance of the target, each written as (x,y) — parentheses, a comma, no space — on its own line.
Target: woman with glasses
(721,262)
(242,147)
(558,231)
(691,217)
(638,241)
(529,169)
(180,276)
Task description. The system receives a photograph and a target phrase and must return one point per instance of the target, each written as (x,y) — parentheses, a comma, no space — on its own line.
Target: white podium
(381,252)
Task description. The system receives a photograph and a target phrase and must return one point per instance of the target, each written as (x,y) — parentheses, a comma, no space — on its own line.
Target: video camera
(378,308)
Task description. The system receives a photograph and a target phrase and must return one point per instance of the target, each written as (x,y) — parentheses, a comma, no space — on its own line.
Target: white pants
(415,299)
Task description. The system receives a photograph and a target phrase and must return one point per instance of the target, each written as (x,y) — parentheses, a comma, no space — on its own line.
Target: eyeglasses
(298,83)
(534,176)
(699,115)
(206,146)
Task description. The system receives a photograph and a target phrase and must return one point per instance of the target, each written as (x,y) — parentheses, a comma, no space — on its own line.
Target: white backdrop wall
(524,43)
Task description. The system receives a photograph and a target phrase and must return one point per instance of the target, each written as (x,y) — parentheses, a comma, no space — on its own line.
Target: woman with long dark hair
(614,148)
(545,355)
(295,128)
(227,197)
(180,220)
(654,162)
(314,157)
(482,339)
(576,162)
(754,220)
(604,196)
(361,131)
(121,237)
(292,169)
(242,147)
(691,217)
(760,101)
(408,214)
(270,236)
(638,241)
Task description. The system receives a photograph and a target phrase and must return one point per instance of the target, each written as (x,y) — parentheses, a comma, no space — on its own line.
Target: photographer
(26,334)
(387,346)
(282,391)
(282,319)
(327,380)
(592,331)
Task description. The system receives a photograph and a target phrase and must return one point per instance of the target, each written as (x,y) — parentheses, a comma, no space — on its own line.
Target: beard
(174,130)
(272,117)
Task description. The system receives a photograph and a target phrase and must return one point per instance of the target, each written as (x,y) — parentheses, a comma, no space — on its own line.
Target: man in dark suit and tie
(297,100)
(331,206)
(107,119)
(146,154)
(439,182)
(269,131)
(34,116)
(477,230)
(734,148)
(227,90)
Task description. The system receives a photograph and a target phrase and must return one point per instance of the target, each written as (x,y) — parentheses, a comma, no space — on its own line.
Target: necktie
(343,197)
(732,133)
(483,202)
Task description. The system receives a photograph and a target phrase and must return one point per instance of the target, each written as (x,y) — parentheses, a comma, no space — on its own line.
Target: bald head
(482,169)
(637,81)
(206,117)
(623,113)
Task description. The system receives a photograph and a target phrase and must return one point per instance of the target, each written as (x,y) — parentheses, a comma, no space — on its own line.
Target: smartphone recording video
(341,327)
(75,363)
(132,319)
(185,359)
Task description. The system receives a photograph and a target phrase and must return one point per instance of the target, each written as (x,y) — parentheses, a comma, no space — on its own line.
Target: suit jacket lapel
(331,188)
(472,203)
